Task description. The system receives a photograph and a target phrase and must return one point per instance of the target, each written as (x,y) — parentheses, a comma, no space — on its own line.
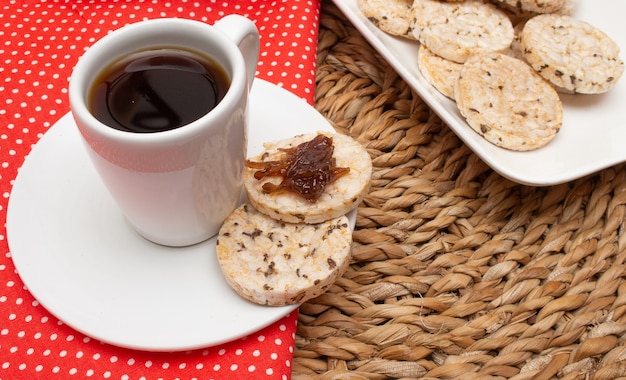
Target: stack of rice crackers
(282,249)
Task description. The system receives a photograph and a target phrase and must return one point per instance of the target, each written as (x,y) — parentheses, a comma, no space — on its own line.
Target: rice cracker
(572,54)
(338,198)
(390,16)
(507,102)
(534,6)
(270,262)
(518,14)
(441,73)
(456,30)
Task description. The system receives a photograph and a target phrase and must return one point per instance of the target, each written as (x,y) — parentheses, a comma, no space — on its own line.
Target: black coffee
(157,90)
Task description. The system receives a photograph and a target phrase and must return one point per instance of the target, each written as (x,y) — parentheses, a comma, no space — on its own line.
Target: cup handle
(245,35)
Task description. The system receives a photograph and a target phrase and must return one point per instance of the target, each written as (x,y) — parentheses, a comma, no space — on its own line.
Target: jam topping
(306,169)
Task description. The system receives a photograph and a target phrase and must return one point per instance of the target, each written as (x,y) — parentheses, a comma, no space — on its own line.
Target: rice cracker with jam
(337,196)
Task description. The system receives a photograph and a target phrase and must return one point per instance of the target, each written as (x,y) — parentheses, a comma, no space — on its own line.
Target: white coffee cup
(175,187)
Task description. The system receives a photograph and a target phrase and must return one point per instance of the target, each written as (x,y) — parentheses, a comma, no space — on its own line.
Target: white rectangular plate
(593,135)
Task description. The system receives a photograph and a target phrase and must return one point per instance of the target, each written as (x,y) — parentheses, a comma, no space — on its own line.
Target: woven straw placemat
(458,272)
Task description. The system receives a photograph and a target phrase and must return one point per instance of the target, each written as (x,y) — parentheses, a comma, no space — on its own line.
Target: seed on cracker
(507,102)
(270,262)
(456,30)
(572,54)
(441,73)
(391,16)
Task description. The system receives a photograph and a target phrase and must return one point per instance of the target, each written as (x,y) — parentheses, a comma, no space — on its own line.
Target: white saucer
(80,260)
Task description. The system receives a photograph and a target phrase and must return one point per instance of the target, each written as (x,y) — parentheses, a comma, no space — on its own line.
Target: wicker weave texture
(456,271)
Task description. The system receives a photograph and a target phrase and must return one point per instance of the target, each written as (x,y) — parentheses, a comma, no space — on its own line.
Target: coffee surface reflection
(157,90)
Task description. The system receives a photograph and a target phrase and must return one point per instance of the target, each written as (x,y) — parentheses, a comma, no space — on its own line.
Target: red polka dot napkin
(40,41)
